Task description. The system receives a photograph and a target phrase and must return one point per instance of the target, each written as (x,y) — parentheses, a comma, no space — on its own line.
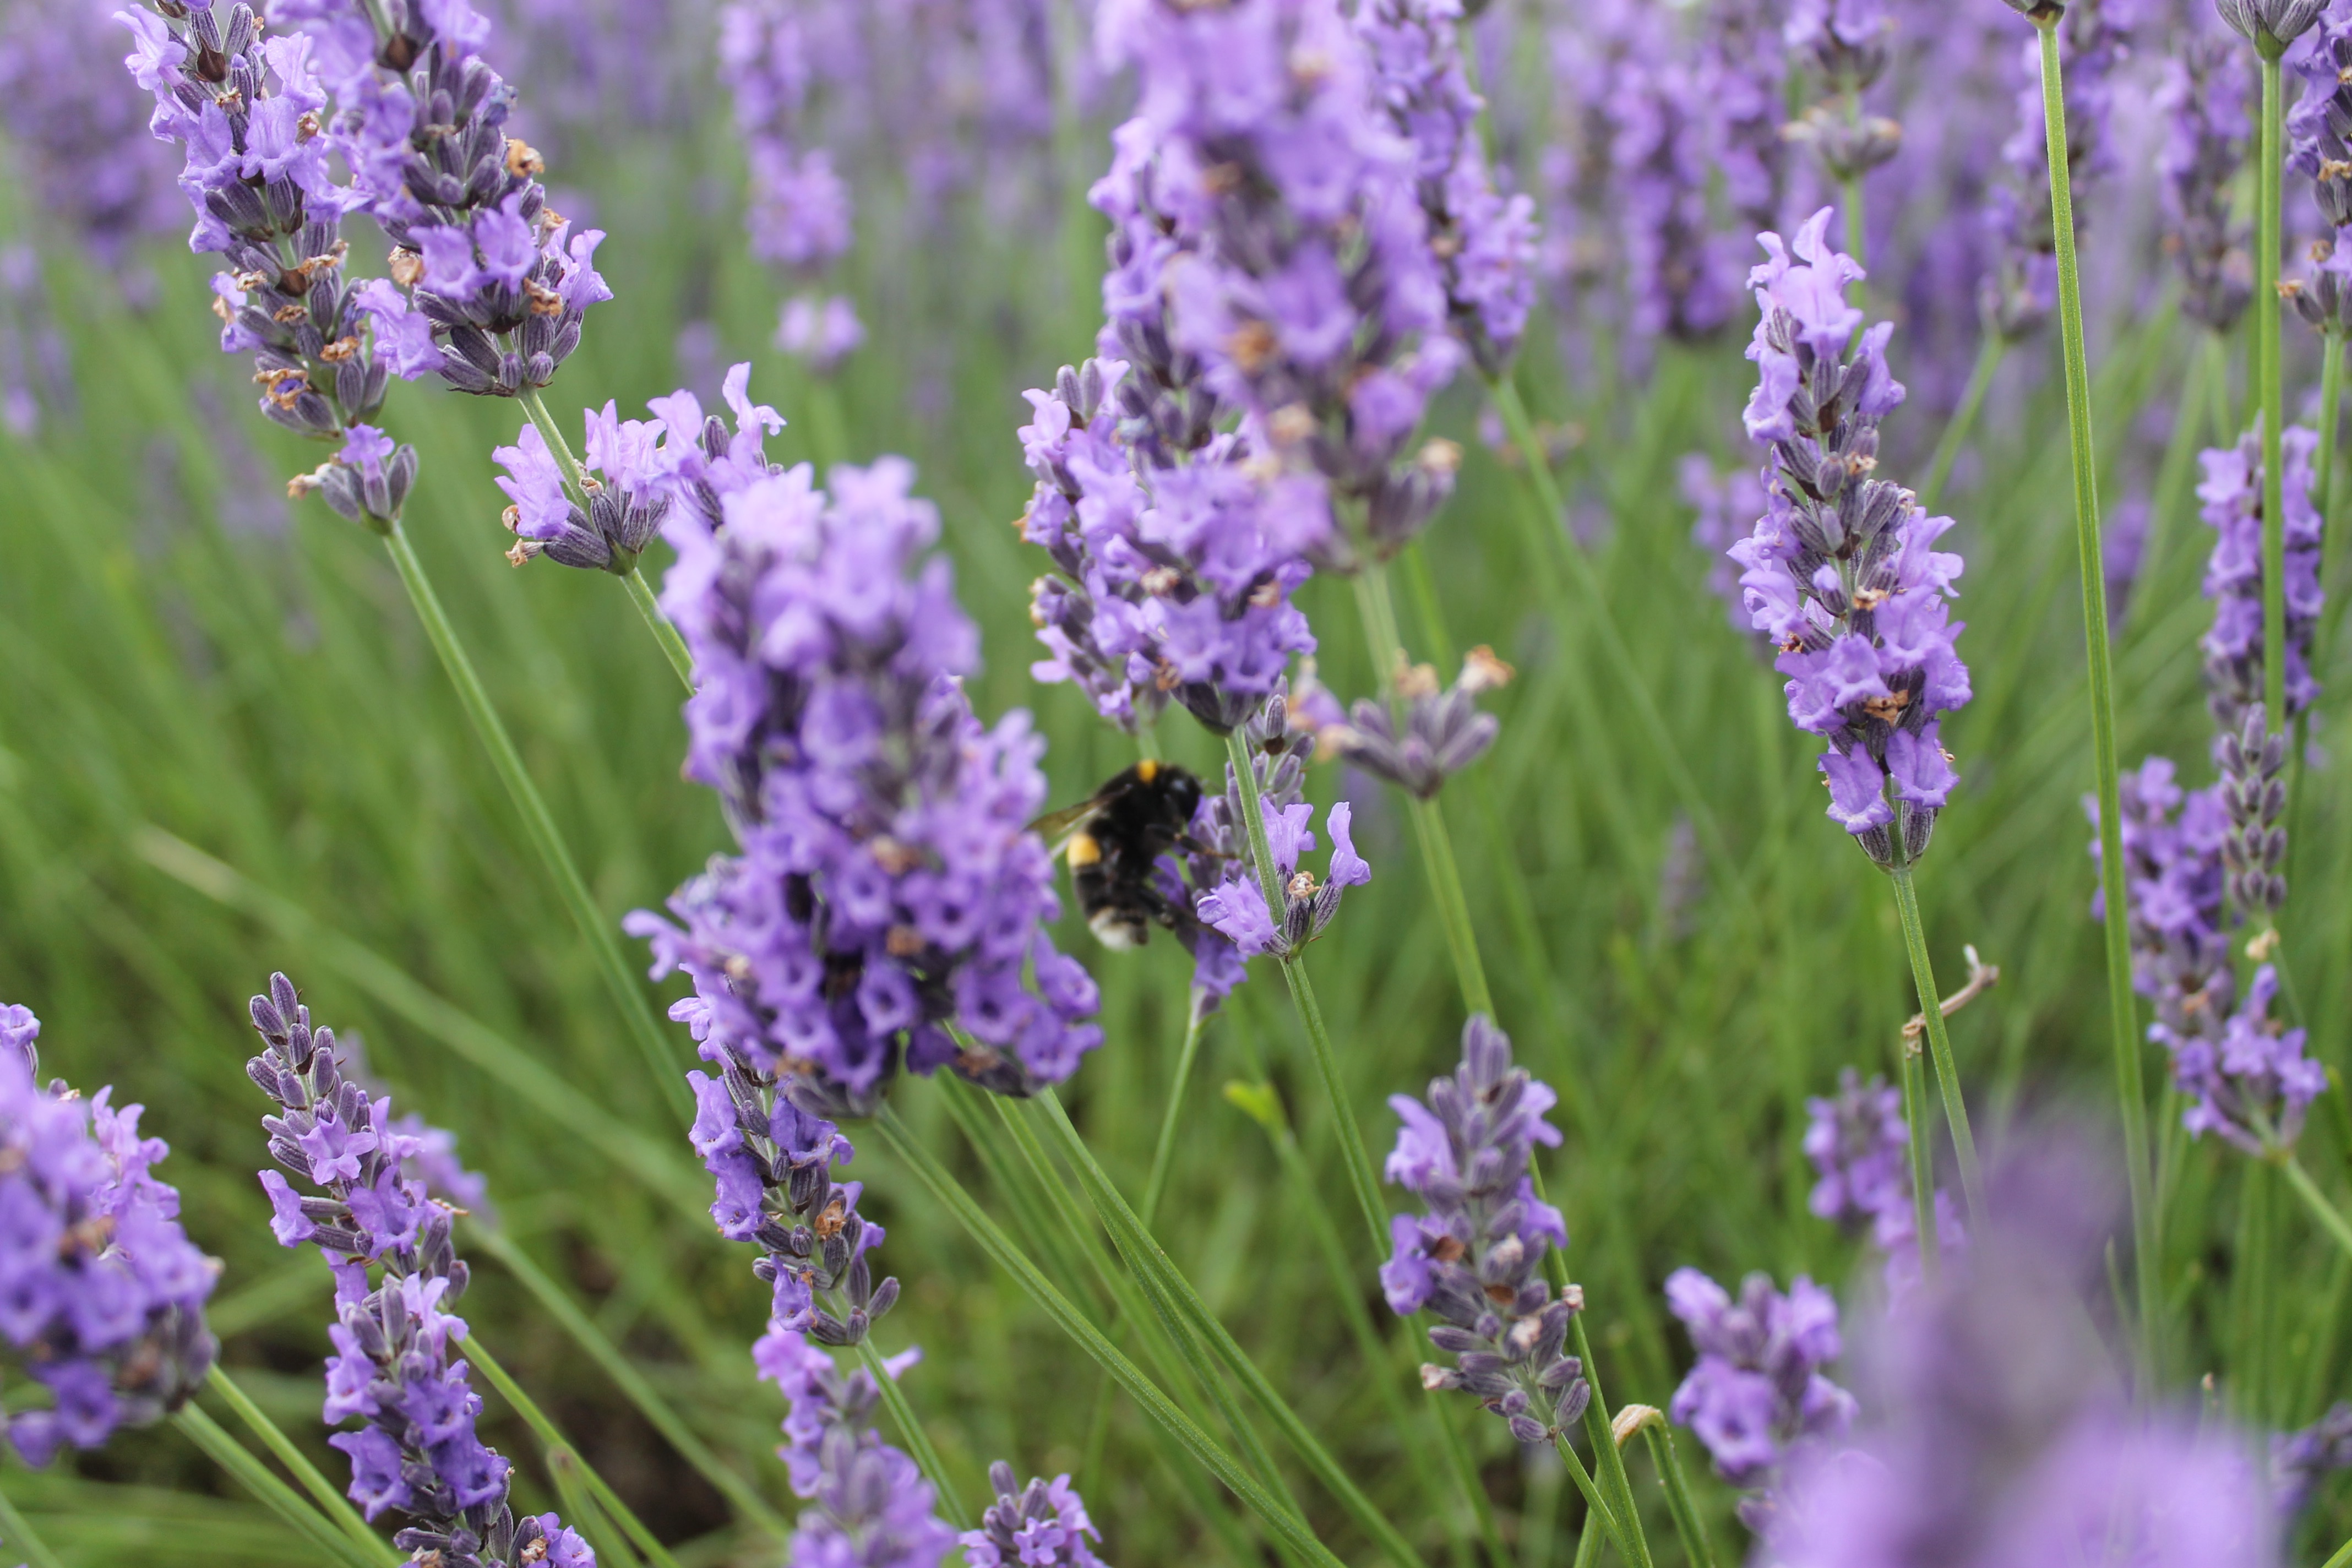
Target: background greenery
(225,747)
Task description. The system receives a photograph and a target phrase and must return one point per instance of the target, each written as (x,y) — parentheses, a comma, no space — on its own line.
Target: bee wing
(1057,828)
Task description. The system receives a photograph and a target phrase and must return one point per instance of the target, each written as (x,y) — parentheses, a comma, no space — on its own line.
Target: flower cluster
(2298,1459)
(1041,1525)
(1724,506)
(418,1454)
(2252,760)
(1176,557)
(1263,190)
(888,885)
(870,1505)
(97,182)
(1756,1395)
(2202,96)
(1475,1257)
(1485,242)
(2249,1079)
(1999,1438)
(627,495)
(772,1163)
(1441,733)
(1237,907)
(1849,44)
(1860,1148)
(2172,842)
(2231,503)
(2316,149)
(104,1294)
(1842,571)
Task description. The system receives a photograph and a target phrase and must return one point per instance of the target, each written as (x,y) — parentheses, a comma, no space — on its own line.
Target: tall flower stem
(18,1535)
(632,1383)
(1163,1152)
(2123,1012)
(950,1195)
(1989,353)
(2269,174)
(2331,1218)
(576,482)
(1660,1436)
(539,823)
(274,1494)
(333,1503)
(1939,1049)
(624,1518)
(1923,1162)
(1353,1152)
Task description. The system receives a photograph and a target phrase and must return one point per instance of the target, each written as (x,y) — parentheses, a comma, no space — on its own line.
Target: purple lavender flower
(2299,1459)
(101,1292)
(2231,498)
(1443,732)
(628,495)
(1041,1525)
(1756,1395)
(1860,1147)
(97,180)
(2000,1436)
(1849,44)
(1237,906)
(887,886)
(417,1453)
(1841,572)
(771,54)
(1475,1257)
(2268,22)
(2172,842)
(2253,1083)
(2253,794)
(773,1167)
(872,1507)
(1485,241)
(820,331)
(2202,96)
(1727,504)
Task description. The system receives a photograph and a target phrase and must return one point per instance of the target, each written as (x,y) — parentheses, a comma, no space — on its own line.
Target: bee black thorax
(1132,821)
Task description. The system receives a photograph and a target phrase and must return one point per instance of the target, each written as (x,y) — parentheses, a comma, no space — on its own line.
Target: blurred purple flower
(2232,497)
(1041,1525)
(870,1506)
(1756,1395)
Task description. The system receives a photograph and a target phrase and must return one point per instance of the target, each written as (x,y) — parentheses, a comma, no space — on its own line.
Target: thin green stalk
(918,1442)
(18,1534)
(1588,1539)
(271,1492)
(581,1510)
(1939,1050)
(524,1405)
(2342,1559)
(673,645)
(539,823)
(950,1195)
(1660,1434)
(2268,308)
(1595,1505)
(1159,1274)
(1358,1164)
(633,1383)
(1163,1152)
(333,1503)
(2123,1015)
(2331,1218)
(1632,1544)
(1923,1163)
(2258,1256)
(1540,1516)
(1957,431)
(1545,548)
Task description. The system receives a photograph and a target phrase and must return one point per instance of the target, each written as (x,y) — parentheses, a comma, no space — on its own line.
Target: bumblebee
(1113,838)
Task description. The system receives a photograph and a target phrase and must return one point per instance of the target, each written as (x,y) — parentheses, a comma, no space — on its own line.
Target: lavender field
(1445,783)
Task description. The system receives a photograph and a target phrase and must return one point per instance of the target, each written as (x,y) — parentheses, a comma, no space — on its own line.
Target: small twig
(1982,977)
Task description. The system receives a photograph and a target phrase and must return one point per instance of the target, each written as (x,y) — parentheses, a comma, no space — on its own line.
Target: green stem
(949,1194)
(2342,1559)
(1596,1506)
(1545,548)
(1632,1544)
(581,1511)
(271,1492)
(539,823)
(524,1405)
(1939,1050)
(15,1532)
(2268,307)
(1688,1522)
(1964,418)
(2122,1013)
(2331,1218)
(633,1383)
(575,475)
(1923,1163)
(1163,1152)
(334,1504)
(1352,1154)
(673,645)
(1151,1263)
(910,1432)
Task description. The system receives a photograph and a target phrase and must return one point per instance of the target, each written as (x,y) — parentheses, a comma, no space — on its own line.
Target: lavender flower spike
(2299,1459)
(2231,498)
(2268,23)
(871,1509)
(1475,1257)
(888,886)
(1756,1395)
(101,1292)
(627,497)
(417,1453)
(1443,730)
(2253,1084)
(1223,861)
(1842,571)
(1041,1525)
(1860,1148)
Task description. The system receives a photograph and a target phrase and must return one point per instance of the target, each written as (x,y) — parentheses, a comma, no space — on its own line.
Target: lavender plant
(1756,1395)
